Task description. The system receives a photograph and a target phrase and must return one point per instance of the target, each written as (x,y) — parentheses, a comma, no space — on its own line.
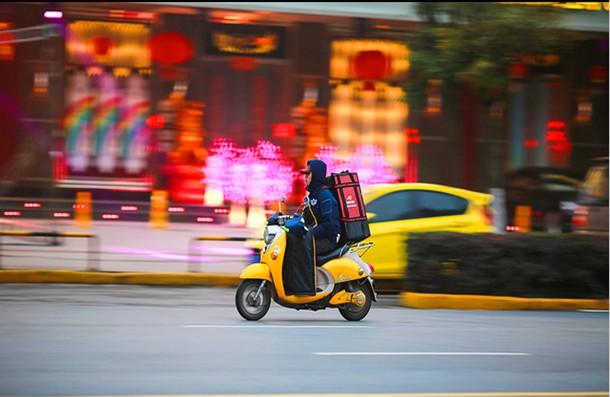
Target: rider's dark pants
(324,246)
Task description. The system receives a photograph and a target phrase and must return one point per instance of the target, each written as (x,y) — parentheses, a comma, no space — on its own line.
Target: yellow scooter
(343,281)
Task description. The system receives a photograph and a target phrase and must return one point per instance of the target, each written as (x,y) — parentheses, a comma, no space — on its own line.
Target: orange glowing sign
(7,49)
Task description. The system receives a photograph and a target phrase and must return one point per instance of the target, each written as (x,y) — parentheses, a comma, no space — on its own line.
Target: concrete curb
(480,302)
(83,277)
(407,299)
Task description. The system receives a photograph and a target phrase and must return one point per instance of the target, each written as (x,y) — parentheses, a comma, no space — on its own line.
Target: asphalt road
(130,340)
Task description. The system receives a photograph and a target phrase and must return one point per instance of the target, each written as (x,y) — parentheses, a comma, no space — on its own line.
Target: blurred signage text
(252,40)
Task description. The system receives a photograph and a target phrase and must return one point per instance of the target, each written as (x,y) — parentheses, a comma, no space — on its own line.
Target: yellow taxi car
(397,209)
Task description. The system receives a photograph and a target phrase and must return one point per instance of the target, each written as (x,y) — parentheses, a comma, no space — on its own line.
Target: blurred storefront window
(367,106)
(107,96)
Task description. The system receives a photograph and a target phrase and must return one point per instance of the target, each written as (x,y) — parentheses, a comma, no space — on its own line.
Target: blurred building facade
(132,95)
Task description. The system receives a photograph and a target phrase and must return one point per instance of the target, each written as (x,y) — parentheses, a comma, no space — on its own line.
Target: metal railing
(93,243)
(194,266)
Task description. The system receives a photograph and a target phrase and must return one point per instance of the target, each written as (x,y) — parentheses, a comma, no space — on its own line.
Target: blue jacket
(323,203)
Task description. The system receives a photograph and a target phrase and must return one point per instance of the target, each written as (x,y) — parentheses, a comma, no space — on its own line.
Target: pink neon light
(110,216)
(175,209)
(12,213)
(61,215)
(248,175)
(31,205)
(53,14)
(205,219)
(221,210)
(367,160)
(129,208)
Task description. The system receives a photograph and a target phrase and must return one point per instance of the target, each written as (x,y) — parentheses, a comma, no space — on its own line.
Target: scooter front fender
(257,271)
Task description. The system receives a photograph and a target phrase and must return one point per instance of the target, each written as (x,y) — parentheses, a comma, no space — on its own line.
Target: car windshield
(559,183)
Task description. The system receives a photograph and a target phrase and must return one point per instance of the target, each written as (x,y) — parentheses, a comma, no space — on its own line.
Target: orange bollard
(82,209)
(523,218)
(158,209)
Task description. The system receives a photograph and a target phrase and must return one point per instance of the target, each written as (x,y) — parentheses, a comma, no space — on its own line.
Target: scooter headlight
(268,237)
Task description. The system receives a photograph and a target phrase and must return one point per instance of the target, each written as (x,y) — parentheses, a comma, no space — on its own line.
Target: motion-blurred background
(202,112)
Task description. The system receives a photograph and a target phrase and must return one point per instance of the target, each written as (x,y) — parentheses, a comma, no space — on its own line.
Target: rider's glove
(296,225)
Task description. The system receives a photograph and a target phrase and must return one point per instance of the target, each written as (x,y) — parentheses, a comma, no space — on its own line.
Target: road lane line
(273,326)
(448,394)
(420,354)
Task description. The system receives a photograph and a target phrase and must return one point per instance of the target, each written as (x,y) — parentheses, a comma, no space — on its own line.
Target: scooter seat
(337,252)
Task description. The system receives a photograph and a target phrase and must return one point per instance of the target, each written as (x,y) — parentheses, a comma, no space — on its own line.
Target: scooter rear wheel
(353,312)
(247,307)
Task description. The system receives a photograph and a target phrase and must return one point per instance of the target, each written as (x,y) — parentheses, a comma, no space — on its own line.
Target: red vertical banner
(412,164)
(260,89)
(216,105)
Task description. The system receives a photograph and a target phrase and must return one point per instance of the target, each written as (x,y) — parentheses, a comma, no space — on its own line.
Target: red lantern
(284,130)
(101,46)
(171,48)
(371,65)
(156,121)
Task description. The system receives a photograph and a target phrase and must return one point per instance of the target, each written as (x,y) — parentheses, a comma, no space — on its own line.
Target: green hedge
(523,265)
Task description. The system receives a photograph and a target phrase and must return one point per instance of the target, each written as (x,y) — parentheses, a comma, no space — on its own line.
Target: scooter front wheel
(251,307)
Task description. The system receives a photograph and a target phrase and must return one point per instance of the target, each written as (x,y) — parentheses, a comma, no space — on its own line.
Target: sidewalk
(127,247)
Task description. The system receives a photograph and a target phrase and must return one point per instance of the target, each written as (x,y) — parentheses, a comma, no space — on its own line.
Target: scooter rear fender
(347,268)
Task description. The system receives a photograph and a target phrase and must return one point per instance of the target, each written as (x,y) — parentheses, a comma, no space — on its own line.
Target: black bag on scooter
(298,270)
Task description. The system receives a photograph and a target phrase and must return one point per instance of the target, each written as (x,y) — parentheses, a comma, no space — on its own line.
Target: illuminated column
(213,170)
(133,131)
(340,119)
(104,124)
(367,117)
(77,121)
(237,215)
(256,215)
(396,116)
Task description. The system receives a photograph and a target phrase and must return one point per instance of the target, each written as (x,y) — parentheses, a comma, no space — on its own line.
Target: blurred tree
(474,44)
(466,49)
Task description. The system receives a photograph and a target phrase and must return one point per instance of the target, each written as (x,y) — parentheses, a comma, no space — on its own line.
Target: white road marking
(470,394)
(272,326)
(593,311)
(420,354)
